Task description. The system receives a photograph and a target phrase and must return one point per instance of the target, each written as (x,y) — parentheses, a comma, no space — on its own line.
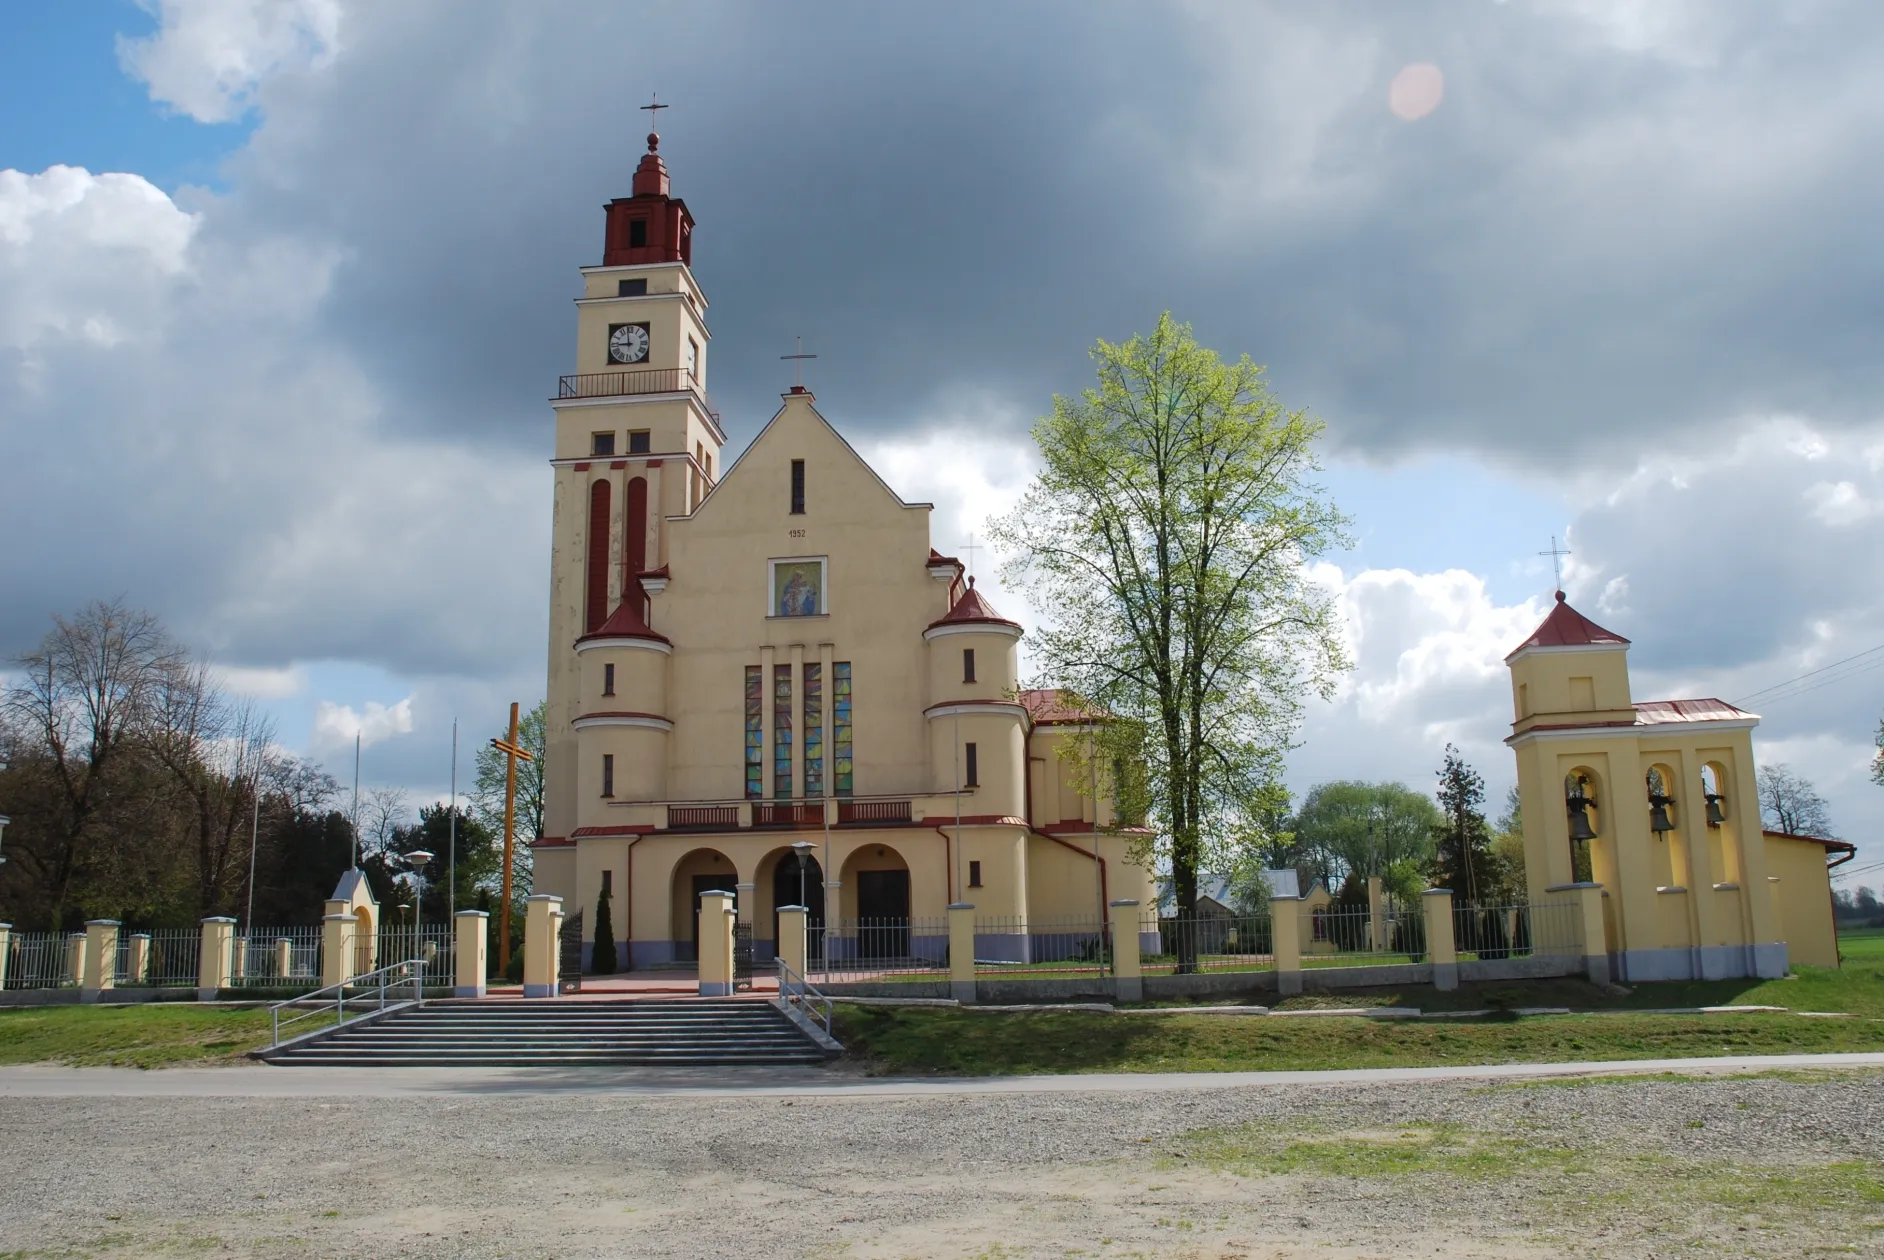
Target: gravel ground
(1620,1168)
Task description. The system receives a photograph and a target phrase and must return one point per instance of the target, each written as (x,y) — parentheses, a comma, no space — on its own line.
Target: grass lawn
(1862,944)
(158,1034)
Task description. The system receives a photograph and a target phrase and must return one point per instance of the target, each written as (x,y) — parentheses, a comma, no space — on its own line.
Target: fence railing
(430,941)
(702,817)
(173,959)
(862,948)
(38,960)
(1017,945)
(1489,933)
(272,957)
(797,991)
(872,812)
(1240,942)
(1354,936)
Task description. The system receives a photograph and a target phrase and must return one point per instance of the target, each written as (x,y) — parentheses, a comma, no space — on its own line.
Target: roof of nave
(972,608)
(1049,706)
(1566,627)
(1831,845)
(626,622)
(1656,712)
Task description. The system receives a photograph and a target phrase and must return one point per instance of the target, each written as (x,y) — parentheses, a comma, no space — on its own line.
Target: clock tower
(637,443)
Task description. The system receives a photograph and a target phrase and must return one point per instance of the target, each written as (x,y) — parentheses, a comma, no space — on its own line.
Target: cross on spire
(798,364)
(1556,555)
(971,547)
(653,106)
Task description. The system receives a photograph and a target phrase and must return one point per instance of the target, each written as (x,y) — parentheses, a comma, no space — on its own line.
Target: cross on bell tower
(651,226)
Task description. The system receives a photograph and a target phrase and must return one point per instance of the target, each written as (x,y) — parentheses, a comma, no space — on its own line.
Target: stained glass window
(814,729)
(840,726)
(755,732)
(782,731)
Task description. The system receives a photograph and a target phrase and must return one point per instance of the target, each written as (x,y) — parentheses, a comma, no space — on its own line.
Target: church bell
(1658,813)
(1577,804)
(1715,814)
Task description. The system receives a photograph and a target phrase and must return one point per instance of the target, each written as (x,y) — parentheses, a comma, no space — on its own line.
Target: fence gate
(569,956)
(742,956)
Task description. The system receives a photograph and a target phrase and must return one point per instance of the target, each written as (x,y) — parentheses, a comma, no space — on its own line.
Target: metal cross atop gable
(797,361)
(1556,555)
(971,547)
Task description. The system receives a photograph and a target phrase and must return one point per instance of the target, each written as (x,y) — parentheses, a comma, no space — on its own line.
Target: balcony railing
(637,381)
(702,817)
(788,814)
(873,811)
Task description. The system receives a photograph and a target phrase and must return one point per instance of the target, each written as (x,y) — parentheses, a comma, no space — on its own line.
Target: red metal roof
(1656,712)
(1566,627)
(626,622)
(972,608)
(1053,707)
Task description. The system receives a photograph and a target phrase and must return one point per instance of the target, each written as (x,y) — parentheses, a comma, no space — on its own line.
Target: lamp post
(418,860)
(803,849)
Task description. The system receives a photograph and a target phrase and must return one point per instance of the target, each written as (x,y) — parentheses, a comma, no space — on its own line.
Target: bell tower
(637,442)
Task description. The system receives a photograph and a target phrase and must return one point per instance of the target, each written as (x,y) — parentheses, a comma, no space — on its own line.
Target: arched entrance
(800,883)
(880,878)
(700,871)
(365,940)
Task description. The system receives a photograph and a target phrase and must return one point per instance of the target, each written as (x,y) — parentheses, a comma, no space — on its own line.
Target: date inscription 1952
(798,533)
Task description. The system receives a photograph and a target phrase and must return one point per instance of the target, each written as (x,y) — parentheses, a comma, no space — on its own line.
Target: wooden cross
(513,752)
(798,364)
(1556,559)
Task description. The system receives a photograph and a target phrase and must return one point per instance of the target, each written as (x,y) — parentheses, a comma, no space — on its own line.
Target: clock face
(628,343)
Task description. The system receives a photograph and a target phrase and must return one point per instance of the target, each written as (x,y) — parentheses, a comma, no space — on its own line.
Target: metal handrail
(798,991)
(416,966)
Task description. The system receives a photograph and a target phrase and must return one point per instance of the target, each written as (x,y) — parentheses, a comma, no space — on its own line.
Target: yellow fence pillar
(1128,972)
(716,944)
(471,933)
(1285,924)
(1591,934)
(791,937)
(6,950)
(1376,916)
(101,959)
(215,964)
(284,957)
(542,919)
(137,959)
(962,952)
(1441,950)
(337,948)
(75,943)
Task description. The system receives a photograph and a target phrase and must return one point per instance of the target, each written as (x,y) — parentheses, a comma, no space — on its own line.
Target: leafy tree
(602,960)
(1789,803)
(1507,850)
(1350,828)
(1462,860)
(478,857)
(1166,540)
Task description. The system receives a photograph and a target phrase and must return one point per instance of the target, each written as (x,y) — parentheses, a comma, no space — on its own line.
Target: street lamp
(418,860)
(803,849)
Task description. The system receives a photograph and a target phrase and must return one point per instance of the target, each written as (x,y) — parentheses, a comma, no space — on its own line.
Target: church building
(765,677)
(1654,801)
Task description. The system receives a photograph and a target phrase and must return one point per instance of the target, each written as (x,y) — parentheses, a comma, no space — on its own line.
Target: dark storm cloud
(1595,228)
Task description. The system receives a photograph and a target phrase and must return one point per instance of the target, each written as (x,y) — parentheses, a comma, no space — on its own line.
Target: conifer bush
(602,959)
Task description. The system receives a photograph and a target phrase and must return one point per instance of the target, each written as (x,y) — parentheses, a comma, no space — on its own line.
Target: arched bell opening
(1723,827)
(1668,855)
(1584,802)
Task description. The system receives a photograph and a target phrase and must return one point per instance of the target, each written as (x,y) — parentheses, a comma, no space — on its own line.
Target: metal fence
(1211,942)
(1030,945)
(1354,936)
(273,957)
(38,960)
(1547,930)
(863,948)
(430,941)
(174,959)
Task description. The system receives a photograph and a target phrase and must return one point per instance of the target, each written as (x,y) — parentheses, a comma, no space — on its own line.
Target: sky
(284,286)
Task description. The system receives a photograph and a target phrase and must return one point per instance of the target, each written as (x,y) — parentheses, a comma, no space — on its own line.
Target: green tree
(487,803)
(1166,541)
(1507,850)
(1463,860)
(1350,828)
(602,959)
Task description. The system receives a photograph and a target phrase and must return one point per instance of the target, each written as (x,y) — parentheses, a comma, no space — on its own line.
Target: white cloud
(208,58)
(335,725)
(264,684)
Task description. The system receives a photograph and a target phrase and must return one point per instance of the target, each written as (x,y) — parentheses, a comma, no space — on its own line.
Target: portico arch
(875,901)
(697,871)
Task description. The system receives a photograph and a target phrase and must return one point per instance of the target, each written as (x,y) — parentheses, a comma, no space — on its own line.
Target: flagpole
(452,845)
(356,800)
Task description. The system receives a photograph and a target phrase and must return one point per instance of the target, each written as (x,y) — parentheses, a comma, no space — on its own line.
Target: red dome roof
(971,609)
(626,622)
(1566,627)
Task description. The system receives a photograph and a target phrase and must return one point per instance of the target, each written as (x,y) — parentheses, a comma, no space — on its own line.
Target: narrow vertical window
(840,727)
(968,665)
(798,487)
(596,605)
(974,874)
(608,882)
(608,680)
(755,732)
(814,729)
(782,732)
(972,766)
(608,774)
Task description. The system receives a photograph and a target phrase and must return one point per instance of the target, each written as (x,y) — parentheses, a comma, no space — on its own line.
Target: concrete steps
(559,1032)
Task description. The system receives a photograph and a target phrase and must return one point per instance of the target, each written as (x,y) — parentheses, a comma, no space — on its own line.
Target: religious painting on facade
(797,588)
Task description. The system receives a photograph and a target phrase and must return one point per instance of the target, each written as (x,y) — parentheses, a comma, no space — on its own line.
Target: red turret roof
(626,622)
(1566,627)
(972,608)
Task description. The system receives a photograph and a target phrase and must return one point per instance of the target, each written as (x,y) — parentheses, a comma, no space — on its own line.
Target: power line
(1756,696)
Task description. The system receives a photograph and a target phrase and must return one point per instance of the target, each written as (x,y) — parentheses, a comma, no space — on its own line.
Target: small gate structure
(569,956)
(742,956)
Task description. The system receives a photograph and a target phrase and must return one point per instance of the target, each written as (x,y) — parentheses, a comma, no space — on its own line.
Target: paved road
(319,1082)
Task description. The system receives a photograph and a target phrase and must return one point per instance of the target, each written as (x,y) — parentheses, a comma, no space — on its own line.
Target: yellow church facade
(1654,802)
(765,678)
